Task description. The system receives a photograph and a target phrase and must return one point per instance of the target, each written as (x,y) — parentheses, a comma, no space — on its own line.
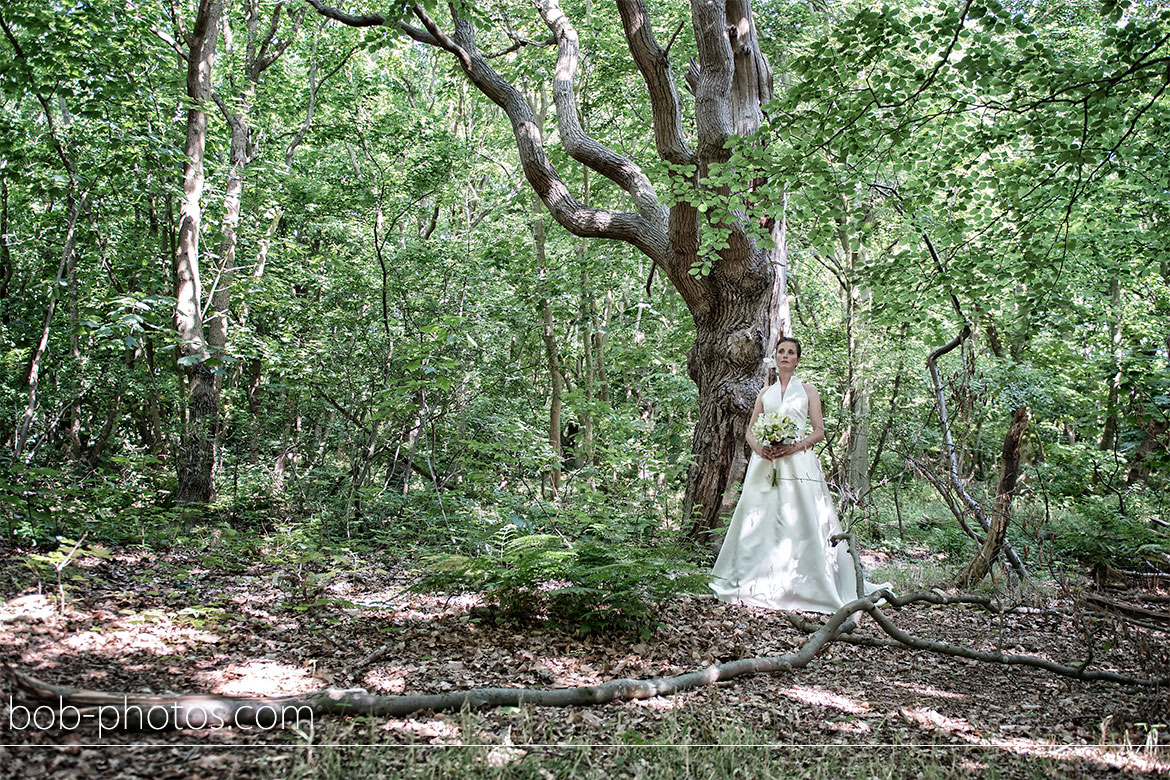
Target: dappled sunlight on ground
(257,678)
(1112,756)
(660,703)
(169,623)
(35,607)
(430,728)
(387,679)
(398,606)
(927,690)
(825,699)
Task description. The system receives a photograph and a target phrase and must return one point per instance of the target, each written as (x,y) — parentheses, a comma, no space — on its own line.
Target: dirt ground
(181,623)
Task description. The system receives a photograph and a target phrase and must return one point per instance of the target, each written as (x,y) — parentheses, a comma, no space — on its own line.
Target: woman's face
(786,356)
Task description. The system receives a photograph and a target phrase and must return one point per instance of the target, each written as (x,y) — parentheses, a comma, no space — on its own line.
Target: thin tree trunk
(857,452)
(195,459)
(238,159)
(75,201)
(34,372)
(548,335)
(98,446)
(952,453)
(782,322)
(7,270)
(158,443)
(597,329)
(1109,431)
(588,449)
(73,430)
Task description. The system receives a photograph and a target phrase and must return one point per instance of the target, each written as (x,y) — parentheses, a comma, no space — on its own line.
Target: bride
(777,552)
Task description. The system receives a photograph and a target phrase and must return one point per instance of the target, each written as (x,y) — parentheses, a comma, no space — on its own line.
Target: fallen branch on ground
(136,711)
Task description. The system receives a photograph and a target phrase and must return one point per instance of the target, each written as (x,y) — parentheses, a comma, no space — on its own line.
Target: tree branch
(654,65)
(364,20)
(952,451)
(580,146)
(137,711)
(577,218)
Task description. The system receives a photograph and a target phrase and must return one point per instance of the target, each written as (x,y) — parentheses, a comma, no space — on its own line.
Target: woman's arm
(815,418)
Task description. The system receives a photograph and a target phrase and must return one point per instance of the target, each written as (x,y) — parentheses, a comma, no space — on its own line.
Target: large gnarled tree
(734,299)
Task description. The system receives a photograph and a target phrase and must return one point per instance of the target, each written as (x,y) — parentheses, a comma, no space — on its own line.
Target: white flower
(773,428)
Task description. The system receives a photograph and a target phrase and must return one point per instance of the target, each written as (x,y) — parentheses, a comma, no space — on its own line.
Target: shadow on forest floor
(154,623)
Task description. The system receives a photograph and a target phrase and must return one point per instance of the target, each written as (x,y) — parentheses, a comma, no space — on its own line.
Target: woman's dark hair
(793,340)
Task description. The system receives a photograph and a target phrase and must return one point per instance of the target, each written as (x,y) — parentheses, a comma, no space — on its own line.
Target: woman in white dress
(777,552)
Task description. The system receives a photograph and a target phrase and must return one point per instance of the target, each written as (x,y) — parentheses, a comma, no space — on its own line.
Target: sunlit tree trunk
(195,458)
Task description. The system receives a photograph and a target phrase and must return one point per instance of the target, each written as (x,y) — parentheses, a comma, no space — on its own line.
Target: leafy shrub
(1102,535)
(600,581)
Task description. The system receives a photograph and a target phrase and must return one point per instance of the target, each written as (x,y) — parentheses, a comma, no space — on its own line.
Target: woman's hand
(772,451)
(784,450)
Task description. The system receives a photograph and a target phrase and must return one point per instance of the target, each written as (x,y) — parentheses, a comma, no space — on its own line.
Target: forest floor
(211,623)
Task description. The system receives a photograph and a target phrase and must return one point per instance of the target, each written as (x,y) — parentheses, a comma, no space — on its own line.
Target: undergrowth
(711,745)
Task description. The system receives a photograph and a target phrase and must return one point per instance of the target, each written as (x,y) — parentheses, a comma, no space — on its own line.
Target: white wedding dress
(777,553)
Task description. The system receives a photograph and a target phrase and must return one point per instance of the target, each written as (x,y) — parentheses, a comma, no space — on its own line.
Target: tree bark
(1001,512)
(195,459)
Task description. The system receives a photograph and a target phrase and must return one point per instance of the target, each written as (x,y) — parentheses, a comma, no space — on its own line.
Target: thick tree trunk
(734,313)
(1001,512)
(734,304)
(195,459)
(725,363)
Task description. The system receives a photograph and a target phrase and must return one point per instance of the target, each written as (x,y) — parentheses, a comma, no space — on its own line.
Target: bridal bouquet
(773,428)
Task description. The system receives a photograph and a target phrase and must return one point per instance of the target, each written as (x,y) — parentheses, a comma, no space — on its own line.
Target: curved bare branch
(570,213)
(647,235)
(580,146)
(144,711)
(352,20)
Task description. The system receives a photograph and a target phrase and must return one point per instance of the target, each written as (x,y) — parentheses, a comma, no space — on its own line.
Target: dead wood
(1001,511)
(1126,608)
(952,452)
